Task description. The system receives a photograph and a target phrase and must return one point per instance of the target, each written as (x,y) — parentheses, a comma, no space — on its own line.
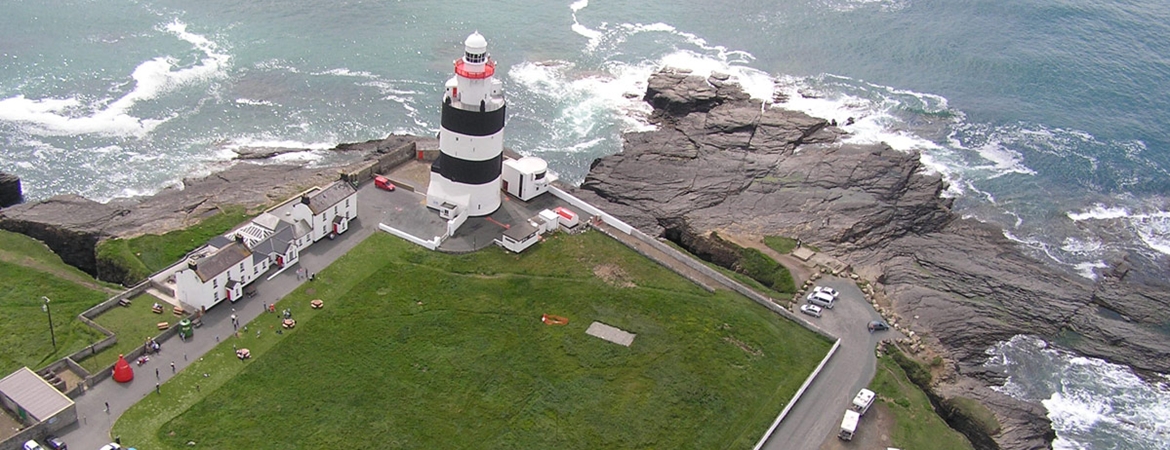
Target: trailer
(848,425)
(862,401)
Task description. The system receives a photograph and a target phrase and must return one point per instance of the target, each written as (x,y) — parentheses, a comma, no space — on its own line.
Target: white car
(111,446)
(812,310)
(822,299)
(828,290)
(33,445)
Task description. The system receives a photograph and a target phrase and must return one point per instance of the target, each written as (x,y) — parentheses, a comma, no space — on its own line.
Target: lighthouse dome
(475,44)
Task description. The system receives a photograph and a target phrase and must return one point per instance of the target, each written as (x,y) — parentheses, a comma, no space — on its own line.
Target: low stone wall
(383,164)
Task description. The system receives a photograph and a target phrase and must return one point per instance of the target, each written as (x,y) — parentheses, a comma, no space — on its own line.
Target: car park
(828,290)
(877,325)
(812,310)
(821,299)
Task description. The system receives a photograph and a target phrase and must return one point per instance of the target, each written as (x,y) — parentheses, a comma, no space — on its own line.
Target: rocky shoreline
(719,161)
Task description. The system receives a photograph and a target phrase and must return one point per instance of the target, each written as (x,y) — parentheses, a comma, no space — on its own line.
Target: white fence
(591,210)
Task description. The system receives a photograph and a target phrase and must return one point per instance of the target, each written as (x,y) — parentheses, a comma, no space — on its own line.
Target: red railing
(489,69)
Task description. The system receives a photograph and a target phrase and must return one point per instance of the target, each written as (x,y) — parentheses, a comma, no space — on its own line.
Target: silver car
(812,310)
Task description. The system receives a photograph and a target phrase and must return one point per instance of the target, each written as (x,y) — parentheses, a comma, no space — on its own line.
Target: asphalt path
(816,416)
(92,429)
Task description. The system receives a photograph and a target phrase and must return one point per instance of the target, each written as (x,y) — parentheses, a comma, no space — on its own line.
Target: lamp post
(53,334)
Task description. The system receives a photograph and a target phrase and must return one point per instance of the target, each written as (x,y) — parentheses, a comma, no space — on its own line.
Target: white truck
(862,401)
(849,425)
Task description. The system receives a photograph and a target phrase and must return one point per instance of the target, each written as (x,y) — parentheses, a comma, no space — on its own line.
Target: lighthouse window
(475,58)
(539,176)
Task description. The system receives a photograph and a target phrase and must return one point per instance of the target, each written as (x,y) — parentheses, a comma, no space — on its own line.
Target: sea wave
(1092,403)
(65,116)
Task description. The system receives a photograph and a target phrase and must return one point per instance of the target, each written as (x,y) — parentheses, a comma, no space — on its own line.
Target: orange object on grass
(549,319)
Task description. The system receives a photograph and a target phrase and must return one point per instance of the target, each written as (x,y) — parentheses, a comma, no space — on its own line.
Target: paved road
(817,415)
(93,427)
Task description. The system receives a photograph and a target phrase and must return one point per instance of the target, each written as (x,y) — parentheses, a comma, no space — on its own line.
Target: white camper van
(849,425)
(821,299)
(862,401)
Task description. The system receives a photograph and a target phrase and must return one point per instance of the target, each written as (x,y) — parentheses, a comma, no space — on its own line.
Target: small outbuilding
(33,400)
(526,177)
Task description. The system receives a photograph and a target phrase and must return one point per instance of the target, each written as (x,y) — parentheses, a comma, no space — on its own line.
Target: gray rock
(10,190)
(719,162)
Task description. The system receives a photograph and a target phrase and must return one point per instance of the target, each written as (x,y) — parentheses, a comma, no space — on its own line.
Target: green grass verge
(766,270)
(780,244)
(132,325)
(30,270)
(417,349)
(144,255)
(916,425)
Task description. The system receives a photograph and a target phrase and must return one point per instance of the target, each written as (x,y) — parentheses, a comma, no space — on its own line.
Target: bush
(914,371)
(767,271)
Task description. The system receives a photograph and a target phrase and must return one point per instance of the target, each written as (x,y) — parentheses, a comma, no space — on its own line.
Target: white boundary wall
(431,244)
(592,210)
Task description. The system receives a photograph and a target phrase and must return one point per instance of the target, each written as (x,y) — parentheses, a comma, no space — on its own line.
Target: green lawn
(417,349)
(780,244)
(916,424)
(30,270)
(144,255)
(132,324)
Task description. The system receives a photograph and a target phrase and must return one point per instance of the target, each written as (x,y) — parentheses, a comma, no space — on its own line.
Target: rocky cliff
(719,161)
(10,190)
(72,225)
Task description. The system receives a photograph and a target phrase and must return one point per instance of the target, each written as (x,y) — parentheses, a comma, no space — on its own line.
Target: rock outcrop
(720,162)
(10,190)
(72,225)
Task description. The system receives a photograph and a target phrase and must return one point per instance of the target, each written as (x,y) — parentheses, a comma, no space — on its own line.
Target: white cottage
(216,277)
(327,210)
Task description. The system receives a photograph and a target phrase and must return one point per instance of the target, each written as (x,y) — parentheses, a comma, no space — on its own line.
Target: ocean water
(1048,117)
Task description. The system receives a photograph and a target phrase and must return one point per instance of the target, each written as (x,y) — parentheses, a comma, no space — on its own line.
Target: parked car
(828,290)
(812,310)
(33,445)
(877,325)
(821,299)
(111,446)
(55,443)
(382,182)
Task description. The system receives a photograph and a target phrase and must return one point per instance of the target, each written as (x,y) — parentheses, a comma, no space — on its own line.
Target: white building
(273,239)
(526,177)
(466,175)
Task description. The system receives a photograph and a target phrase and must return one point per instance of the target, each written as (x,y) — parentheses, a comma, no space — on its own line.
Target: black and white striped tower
(471,140)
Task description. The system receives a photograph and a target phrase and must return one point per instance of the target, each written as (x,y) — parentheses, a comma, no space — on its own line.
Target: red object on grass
(122,371)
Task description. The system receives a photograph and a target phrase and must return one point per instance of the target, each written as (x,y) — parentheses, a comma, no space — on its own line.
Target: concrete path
(92,429)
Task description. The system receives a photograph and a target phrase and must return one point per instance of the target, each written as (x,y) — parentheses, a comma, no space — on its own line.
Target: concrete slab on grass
(803,254)
(615,335)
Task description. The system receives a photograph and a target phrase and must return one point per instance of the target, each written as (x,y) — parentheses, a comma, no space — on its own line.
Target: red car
(382,183)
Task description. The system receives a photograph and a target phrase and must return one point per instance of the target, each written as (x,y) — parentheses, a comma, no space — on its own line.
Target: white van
(821,298)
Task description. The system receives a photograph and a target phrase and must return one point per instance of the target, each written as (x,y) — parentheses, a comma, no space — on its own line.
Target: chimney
(240,238)
(191,264)
(305,198)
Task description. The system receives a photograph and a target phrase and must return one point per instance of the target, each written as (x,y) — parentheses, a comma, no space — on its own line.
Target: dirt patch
(613,275)
(743,346)
(9,426)
(72,379)
(873,431)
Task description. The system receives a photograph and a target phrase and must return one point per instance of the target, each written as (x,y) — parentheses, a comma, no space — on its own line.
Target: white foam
(1152,228)
(1092,403)
(1099,212)
(594,36)
(250,102)
(1089,269)
(344,72)
(67,116)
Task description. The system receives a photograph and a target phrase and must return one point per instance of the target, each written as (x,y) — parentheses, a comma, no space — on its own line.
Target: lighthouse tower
(466,176)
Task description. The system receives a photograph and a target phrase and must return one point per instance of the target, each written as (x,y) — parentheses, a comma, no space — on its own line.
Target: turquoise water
(1048,117)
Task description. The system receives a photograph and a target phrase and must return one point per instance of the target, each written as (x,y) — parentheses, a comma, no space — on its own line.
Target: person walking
(172,367)
(156,373)
(157,389)
(107,407)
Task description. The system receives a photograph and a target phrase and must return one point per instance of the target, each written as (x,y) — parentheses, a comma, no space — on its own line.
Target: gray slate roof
(278,243)
(36,396)
(330,196)
(207,268)
(519,231)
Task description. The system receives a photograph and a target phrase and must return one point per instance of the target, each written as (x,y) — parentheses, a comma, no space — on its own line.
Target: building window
(215,282)
(347,202)
(217,296)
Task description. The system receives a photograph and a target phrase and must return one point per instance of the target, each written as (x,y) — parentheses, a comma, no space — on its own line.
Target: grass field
(916,424)
(30,270)
(132,324)
(417,349)
(144,255)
